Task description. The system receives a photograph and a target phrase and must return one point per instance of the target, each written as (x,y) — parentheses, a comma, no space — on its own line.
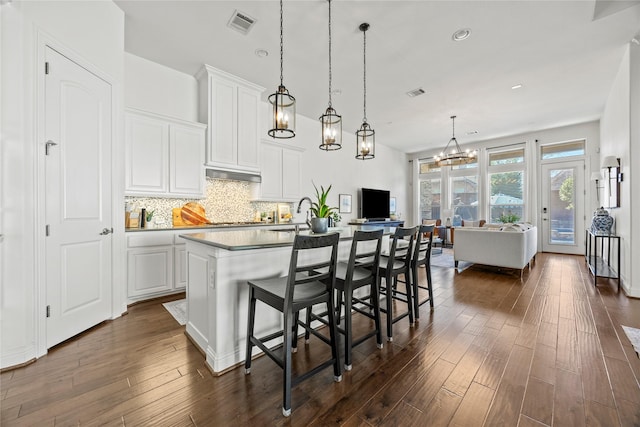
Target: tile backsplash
(226,201)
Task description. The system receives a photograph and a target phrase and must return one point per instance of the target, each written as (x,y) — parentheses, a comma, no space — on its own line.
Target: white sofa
(491,246)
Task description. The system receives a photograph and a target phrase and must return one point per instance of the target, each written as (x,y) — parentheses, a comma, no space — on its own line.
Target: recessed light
(514,87)
(262,53)
(461,34)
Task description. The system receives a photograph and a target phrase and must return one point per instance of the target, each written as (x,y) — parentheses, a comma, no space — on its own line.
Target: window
(506,184)
(565,149)
(430,198)
(430,190)
(464,198)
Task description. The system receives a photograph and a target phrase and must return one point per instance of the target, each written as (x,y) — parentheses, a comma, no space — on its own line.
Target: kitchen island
(218,267)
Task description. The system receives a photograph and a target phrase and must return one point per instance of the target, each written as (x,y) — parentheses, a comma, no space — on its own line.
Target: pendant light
(365,136)
(330,121)
(283,105)
(455,156)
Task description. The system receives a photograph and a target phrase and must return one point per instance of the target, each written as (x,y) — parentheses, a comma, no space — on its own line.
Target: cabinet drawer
(149,238)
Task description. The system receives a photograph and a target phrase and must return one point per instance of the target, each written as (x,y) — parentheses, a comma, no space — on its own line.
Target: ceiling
(565,54)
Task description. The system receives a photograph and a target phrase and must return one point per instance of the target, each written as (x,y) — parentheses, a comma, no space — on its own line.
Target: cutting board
(194,214)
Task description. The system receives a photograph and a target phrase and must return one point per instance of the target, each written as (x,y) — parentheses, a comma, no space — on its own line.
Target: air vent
(416,92)
(241,22)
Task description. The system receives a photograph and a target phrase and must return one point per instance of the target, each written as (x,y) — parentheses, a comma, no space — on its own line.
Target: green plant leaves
(319,208)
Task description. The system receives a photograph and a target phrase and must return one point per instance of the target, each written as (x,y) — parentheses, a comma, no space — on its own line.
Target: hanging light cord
(329,53)
(364,119)
(281,45)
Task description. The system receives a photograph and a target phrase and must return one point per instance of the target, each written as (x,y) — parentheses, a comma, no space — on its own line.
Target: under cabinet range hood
(233,175)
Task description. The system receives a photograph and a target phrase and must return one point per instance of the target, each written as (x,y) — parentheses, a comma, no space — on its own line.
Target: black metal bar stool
(357,273)
(304,287)
(396,263)
(422,256)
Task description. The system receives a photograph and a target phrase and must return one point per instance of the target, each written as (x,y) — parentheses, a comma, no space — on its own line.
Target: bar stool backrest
(404,253)
(361,256)
(423,244)
(323,267)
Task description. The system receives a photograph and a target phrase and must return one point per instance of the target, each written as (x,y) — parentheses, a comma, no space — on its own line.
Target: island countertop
(238,240)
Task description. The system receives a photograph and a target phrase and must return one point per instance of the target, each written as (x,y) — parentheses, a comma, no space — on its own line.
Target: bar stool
(422,256)
(302,288)
(396,263)
(358,272)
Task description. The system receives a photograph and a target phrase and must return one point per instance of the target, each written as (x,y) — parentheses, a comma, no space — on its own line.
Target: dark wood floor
(495,351)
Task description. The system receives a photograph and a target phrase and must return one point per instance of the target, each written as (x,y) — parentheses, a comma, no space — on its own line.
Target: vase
(319,225)
(601,222)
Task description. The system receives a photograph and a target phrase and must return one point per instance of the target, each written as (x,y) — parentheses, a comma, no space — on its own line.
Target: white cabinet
(281,168)
(230,107)
(156,264)
(164,156)
(149,270)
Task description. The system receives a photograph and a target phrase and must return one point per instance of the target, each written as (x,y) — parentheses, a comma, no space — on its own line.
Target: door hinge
(46,230)
(48,311)
(46,68)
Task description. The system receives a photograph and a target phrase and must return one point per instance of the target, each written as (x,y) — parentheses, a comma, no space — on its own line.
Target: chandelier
(330,121)
(365,136)
(283,105)
(454,156)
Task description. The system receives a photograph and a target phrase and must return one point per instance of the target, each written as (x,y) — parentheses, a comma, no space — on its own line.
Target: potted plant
(320,210)
(509,218)
(149,219)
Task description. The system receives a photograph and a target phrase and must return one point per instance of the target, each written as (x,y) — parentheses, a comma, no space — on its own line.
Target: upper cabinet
(281,169)
(230,107)
(164,156)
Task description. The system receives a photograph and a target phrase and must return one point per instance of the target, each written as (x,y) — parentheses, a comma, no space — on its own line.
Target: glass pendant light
(331,122)
(455,156)
(365,136)
(283,105)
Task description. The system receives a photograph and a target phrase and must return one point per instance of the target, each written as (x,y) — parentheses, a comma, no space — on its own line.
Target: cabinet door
(248,127)
(180,266)
(271,159)
(186,170)
(147,148)
(149,270)
(291,165)
(223,126)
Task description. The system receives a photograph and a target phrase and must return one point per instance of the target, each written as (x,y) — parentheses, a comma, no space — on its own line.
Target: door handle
(48,145)
(544,219)
(106,231)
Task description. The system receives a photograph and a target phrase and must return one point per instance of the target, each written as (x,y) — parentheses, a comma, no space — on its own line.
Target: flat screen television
(374,204)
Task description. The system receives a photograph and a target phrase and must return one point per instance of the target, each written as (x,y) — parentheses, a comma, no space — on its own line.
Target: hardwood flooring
(548,350)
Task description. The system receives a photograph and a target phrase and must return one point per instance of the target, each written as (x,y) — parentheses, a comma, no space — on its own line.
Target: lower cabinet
(156,264)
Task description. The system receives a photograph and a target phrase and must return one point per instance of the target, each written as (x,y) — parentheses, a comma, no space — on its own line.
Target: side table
(594,255)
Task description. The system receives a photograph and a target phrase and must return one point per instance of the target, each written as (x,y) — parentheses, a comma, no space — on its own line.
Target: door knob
(106,231)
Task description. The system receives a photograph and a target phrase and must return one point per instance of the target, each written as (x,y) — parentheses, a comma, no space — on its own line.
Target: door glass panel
(562,192)
(430,198)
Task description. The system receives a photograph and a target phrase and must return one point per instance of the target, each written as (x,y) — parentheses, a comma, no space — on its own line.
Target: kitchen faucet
(308,221)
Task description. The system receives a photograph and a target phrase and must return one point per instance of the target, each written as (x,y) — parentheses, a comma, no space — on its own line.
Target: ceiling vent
(416,92)
(241,22)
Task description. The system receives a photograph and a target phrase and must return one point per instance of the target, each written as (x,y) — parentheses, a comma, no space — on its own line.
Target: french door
(563,199)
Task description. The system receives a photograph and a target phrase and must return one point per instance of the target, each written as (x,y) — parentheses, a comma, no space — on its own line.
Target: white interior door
(563,207)
(78,198)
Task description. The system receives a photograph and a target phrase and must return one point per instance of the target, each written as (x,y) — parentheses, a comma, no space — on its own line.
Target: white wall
(620,134)
(153,87)
(93,31)
(388,171)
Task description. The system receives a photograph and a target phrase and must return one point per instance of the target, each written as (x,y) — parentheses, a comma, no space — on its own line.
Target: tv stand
(381,222)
